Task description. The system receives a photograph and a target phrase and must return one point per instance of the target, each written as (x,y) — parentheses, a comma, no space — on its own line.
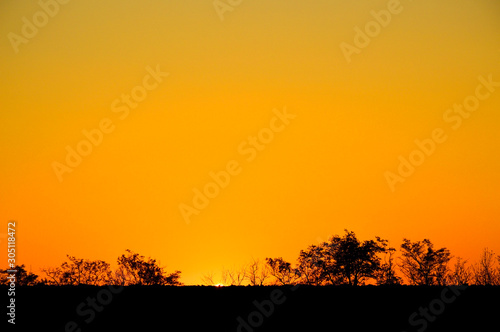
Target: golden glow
(322,173)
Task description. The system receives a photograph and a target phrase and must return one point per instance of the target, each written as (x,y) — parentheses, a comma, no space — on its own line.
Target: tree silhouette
(282,271)
(134,269)
(23,277)
(460,274)
(314,265)
(257,273)
(233,277)
(355,261)
(485,271)
(208,279)
(387,272)
(80,272)
(345,260)
(423,265)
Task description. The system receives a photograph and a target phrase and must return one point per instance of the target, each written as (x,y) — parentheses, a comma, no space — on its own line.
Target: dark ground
(196,308)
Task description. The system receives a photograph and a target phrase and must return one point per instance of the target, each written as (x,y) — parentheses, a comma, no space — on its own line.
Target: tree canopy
(421,264)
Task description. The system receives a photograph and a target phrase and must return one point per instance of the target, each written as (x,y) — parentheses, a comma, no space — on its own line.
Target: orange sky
(322,170)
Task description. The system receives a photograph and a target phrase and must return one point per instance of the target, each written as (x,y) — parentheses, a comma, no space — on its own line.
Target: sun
(219,285)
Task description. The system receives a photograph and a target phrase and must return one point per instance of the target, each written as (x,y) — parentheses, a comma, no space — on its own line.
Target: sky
(205,134)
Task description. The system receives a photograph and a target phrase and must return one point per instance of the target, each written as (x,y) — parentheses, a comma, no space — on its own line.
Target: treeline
(133,269)
(348,261)
(343,260)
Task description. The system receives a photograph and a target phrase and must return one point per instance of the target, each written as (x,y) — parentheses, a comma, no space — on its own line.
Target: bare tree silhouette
(460,274)
(485,271)
(233,277)
(257,273)
(208,279)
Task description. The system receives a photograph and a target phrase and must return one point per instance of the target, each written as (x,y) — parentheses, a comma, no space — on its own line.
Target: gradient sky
(324,172)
